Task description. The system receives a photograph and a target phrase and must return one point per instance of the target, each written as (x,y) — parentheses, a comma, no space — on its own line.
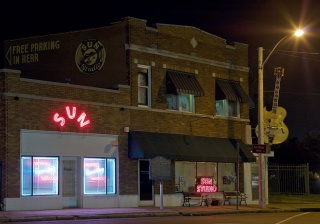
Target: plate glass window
(99,176)
(39,175)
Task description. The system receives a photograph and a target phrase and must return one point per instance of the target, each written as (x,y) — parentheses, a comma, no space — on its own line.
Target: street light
(261,159)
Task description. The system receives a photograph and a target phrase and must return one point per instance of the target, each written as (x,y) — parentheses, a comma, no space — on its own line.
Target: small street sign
(257,148)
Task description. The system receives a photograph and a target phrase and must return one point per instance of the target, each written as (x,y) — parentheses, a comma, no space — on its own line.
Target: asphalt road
(245,218)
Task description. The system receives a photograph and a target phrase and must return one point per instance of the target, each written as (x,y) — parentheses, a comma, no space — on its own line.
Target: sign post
(160,169)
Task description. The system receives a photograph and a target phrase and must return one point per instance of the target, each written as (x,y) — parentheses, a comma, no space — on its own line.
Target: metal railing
(288,179)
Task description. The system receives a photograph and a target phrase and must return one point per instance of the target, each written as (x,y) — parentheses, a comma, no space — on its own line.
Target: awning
(232,91)
(227,90)
(187,147)
(178,82)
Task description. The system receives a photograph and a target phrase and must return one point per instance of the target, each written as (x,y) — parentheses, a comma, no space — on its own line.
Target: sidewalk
(280,204)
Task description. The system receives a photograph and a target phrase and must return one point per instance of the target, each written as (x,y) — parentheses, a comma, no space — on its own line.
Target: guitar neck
(279,73)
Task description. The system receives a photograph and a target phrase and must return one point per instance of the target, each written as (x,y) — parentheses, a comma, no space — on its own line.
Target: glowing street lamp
(261,159)
(299,33)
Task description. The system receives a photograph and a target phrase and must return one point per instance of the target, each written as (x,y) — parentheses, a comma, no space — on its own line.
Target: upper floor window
(181,102)
(144,86)
(227,108)
(182,88)
(229,95)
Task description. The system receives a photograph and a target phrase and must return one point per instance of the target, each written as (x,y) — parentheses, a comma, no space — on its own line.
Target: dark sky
(258,23)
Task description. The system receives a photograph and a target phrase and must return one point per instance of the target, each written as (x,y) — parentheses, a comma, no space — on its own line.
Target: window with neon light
(196,176)
(39,175)
(99,176)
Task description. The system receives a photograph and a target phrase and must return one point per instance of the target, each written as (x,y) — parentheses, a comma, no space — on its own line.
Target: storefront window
(111,176)
(188,176)
(39,175)
(204,176)
(99,176)
(227,176)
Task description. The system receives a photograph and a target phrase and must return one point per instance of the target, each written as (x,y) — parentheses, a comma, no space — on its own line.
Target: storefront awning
(187,147)
(232,91)
(178,82)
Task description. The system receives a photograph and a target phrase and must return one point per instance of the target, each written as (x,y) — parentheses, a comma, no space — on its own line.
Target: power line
(299,52)
(284,53)
(295,93)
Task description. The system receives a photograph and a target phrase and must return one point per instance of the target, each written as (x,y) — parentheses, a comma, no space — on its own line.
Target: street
(244,218)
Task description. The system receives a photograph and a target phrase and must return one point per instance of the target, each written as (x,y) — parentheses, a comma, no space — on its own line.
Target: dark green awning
(179,82)
(187,147)
(232,91)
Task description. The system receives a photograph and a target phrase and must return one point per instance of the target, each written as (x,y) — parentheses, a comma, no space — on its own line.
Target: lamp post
(261,157)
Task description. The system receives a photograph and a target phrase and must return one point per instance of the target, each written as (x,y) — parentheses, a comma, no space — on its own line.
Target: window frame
(188,174)
(46,174)
(147,88)
(107,176)
(178,99)
(225,112)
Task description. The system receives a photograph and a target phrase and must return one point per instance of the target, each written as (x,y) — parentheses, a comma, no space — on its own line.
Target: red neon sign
(206,185)
(81,119)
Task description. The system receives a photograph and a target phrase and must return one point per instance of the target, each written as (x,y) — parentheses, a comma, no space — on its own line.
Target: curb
(146,214)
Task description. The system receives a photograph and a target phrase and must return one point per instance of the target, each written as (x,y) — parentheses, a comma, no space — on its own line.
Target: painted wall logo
(90,56)
(30,52)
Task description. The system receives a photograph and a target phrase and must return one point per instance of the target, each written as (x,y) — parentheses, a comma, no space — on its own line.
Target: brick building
(111,116)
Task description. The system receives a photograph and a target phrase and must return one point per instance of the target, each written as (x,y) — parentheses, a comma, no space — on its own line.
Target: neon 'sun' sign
(81,119)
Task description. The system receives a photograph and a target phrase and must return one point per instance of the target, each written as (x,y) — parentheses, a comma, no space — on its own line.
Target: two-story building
(126,115)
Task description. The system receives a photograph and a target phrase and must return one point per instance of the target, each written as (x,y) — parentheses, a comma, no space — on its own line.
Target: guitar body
(275,131)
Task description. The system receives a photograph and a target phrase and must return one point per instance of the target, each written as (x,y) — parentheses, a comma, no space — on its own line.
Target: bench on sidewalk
(199,197)
(229,195)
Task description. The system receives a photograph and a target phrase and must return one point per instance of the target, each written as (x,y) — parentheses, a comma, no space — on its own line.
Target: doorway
(145,184)
(70,182)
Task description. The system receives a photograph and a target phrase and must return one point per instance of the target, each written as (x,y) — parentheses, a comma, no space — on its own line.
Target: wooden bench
(188,196)
(228,195)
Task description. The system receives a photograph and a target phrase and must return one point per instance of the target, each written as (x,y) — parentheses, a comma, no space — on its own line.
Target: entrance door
(146,185)
(69,182)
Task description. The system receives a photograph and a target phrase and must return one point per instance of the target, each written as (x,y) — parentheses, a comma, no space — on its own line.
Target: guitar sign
(275,131)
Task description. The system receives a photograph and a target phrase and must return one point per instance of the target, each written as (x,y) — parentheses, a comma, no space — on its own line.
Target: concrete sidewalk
(289,204)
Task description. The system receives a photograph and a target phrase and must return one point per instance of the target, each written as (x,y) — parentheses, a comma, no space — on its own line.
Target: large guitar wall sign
(275,131)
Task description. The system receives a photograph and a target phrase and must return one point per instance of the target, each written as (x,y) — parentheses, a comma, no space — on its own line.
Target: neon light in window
(206,184)
(71,115)
(39,175)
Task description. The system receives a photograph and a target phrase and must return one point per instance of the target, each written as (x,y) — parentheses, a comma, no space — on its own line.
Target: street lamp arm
(273,50)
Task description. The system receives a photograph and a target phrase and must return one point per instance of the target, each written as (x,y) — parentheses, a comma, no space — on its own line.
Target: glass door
(69,182)
(145,184)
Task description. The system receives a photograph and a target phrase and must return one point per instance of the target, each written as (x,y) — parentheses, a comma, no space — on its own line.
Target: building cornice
(179,56)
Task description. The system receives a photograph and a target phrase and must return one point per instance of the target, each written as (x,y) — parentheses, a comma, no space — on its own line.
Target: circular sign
(90,56)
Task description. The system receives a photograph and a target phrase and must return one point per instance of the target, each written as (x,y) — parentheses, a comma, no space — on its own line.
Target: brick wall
(112,109)
(31,105)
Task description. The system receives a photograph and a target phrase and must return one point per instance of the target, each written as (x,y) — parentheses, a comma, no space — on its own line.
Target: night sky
(258,23)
